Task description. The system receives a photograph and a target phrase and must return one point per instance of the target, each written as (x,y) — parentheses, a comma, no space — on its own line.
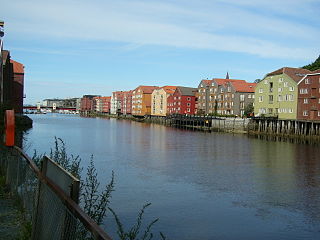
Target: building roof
(314,73)
(187,91)
(17,67)
(295,73)
(169,89)
(243,86)
(222,81)
(207,82)
(147,89)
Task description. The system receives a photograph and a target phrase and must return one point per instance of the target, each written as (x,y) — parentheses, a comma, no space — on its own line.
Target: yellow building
(159,98)
(141,100)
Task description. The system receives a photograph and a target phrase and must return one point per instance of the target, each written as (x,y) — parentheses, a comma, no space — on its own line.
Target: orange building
(141,100)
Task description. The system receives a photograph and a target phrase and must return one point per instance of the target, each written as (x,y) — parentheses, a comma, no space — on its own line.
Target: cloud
(219,25)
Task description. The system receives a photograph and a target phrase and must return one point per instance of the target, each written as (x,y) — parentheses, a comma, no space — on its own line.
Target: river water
(201,185)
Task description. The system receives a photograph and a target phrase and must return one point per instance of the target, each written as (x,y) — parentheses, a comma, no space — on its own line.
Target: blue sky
(71,48)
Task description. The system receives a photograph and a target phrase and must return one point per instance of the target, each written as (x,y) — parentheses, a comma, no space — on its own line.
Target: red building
(87,103)
(17,86)
(182,101)
(126,104)
(309,97)
(12,83)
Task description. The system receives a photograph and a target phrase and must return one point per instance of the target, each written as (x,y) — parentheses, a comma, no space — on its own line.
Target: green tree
(313,66)
(249,109)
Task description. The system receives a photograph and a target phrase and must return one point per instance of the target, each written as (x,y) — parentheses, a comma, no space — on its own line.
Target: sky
(76,47)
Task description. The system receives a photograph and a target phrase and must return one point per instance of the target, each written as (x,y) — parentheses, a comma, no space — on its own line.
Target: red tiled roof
(243,86)
(17,67)
(222,81)
(147,89)
(208,82)
(295,73)
(169,89)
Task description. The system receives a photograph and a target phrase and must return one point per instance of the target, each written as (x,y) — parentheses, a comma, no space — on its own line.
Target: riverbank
(195,123)
(264,128)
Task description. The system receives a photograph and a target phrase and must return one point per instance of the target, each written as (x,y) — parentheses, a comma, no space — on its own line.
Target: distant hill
(313,66)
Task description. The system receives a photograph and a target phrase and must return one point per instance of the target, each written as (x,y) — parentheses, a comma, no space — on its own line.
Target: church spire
(227,77)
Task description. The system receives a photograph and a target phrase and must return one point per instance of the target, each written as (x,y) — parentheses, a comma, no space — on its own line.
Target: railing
(53,214)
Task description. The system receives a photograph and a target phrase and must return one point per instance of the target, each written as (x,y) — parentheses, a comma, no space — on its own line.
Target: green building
(277,94)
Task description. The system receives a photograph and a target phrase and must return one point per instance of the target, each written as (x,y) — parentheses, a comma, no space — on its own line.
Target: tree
(313,66)
(249,109)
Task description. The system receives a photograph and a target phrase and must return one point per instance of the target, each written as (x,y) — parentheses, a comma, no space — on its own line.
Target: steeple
(227,77)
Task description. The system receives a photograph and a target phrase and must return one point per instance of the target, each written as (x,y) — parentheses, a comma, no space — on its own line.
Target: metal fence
(52,213)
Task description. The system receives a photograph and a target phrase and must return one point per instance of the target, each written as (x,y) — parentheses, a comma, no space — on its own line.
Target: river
(201,185)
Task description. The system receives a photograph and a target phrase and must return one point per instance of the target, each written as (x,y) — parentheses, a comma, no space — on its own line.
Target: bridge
(47,108)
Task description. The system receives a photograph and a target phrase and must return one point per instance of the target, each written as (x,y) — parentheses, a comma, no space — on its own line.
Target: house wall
(309,102)
(284,93)
(159,102)
(203,98)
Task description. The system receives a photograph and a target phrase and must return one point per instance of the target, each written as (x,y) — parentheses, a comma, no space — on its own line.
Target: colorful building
(203,95)
(102,104)
(159,98)
(224,96)
(141,100)
(116,102)
(277,94)
(309,97)
(17,86)
(126,107)
(182,101)
(87,104)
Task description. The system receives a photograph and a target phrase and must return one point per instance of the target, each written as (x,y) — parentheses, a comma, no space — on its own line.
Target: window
(291,89)
(232,95)
(279,89)
(318,113)
(303,91)
(305,113)
(262,110)
(279,98)
(291,97)
(290,110)
(189,99)
(307,81)
(242,97)
(188,109)
(270,110)
(285,84)
(305,101)
(271,87)
(280,79)
(261,99)
(188,104)
(221,90)
(260,90)
(270,98)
